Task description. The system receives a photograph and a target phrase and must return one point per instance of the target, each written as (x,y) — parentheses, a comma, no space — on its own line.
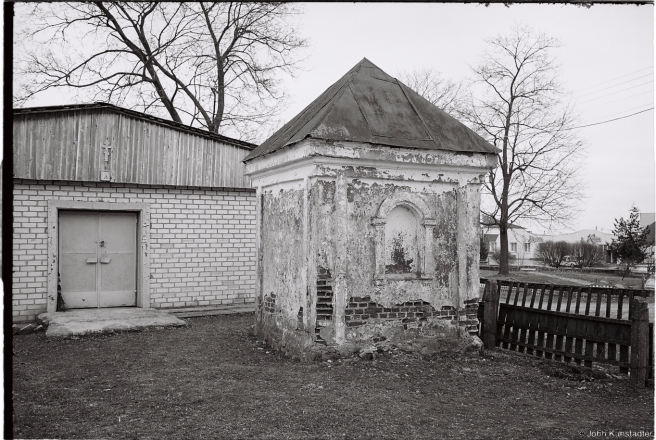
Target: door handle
(92,260)
(105,260)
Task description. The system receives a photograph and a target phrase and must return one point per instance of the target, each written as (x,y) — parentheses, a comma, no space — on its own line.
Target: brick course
(202,241)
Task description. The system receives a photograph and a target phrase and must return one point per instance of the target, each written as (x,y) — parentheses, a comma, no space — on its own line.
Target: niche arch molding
(418,206)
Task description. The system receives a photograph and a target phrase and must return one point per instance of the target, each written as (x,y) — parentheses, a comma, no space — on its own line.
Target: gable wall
(70,145)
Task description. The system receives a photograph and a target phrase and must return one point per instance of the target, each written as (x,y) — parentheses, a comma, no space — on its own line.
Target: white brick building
(116,208)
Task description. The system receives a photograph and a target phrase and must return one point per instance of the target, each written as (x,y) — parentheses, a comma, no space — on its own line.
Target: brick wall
(202,242)
(360,310)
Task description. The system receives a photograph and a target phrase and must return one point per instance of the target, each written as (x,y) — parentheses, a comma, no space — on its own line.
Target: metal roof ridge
(421,118)
(331,101)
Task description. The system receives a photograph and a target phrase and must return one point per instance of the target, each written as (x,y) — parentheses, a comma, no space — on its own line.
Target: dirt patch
(213,380)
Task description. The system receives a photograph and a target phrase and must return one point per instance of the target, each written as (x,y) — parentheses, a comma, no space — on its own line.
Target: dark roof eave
(290,144)
(138,115)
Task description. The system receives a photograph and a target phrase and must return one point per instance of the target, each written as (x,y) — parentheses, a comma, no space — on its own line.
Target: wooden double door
(98,258)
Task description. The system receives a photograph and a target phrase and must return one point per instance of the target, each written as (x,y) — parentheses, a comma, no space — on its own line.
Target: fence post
(639,341)
(490,311)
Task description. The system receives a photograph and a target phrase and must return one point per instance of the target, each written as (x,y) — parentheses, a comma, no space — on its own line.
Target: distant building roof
(491,237)
(647,218)
(651,236)
(367,105)
(591,235)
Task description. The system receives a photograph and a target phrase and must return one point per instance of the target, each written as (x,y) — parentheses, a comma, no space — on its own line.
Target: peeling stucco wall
(359,236)
(282,254)
(325,273)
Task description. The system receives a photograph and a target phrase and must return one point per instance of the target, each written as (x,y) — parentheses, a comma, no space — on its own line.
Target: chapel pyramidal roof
(368,105)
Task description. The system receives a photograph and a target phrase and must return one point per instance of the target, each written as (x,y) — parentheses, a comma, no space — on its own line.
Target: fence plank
(581,329)
(560,298)
(490,307)
(578,301)
(515,328)
(598,307)
(620,303)
(587,302)
(539,323)
(551,291)
(533,323)
(542,297)
(505,321)
(589,344)
(639,312)
(601,346)
(534,294)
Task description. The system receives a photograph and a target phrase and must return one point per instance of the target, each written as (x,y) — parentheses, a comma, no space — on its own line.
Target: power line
(611,80)
(628,110)
(616,85)
(610,120)
(614,93)
(621,99)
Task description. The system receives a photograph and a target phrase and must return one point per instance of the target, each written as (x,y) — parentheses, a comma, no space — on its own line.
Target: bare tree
(213,65)
(516,105)
(586,254)
(441,92)
(553,253)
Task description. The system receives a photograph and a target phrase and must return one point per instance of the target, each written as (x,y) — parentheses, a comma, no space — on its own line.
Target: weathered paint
(327,212)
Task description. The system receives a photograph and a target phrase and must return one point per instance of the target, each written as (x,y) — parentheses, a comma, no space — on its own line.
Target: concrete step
(193,312)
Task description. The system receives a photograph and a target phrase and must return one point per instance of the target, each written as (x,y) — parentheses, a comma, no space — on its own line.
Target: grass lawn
(213,380)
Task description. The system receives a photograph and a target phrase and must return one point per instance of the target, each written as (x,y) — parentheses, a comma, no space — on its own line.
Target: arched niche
(404,235)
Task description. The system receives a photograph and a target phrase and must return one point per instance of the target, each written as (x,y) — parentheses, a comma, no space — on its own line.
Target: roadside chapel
(368,219)
(115,208)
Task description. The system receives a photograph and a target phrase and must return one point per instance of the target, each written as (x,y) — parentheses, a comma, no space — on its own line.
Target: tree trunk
(504,268)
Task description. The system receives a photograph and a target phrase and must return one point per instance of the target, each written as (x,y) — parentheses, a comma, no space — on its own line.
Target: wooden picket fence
(585,325)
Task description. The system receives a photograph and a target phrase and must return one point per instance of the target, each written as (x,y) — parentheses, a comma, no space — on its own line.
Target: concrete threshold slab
(94,321)
(194,312)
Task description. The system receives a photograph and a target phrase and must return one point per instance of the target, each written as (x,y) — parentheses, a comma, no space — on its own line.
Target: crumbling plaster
(318,207)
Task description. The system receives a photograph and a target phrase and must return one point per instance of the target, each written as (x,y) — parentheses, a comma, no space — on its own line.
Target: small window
(513,247)
(527,247)
(493,246)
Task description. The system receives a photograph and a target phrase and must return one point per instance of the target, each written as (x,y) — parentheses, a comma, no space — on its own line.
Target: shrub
(553,253)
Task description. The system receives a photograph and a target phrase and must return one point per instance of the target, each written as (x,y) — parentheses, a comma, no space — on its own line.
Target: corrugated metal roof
(368,105)
(135,114)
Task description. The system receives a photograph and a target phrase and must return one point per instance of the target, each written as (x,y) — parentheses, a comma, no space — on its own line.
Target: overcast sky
(606,62)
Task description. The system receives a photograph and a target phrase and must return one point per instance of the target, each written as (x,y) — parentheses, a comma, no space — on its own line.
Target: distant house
(593,236)
(522,243)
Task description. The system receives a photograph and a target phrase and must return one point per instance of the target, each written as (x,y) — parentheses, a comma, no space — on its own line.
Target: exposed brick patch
(360,310)
(324,301)
(270,303)
(471,321)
